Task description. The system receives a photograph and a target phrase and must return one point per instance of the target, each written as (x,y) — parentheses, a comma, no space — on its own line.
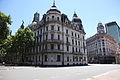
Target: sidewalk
(112,75)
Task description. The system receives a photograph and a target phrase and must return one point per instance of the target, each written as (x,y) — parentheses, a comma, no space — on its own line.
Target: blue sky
(91,12)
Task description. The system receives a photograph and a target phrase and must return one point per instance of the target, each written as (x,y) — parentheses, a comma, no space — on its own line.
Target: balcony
(53,41)
(67,43)
(53,21)
(54,50)
(77,53)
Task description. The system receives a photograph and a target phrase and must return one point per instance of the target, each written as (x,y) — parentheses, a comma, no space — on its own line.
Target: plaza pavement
(92,72)
(112,75)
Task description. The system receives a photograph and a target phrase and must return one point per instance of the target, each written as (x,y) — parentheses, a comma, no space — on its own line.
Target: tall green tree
(17,45)
(22,41)
(4,31)
(4,28)
(7,47)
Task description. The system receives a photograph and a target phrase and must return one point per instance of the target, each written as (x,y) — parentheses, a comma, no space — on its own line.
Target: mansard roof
(76,19)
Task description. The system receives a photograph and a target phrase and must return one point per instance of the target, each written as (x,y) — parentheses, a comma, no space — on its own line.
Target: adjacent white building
(101,47)
(58,41)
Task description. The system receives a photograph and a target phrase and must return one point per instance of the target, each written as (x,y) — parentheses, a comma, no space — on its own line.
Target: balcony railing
(53,20)
(53,41)
(50,50)
(67,43)
(77,53)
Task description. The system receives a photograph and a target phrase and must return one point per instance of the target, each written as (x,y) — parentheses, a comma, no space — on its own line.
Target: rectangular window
(72,33)
(72,49)
(39,58)
(46,37)
(46,58)
(58,47)
(67,39)
(79,50)
(76,43)
(68,59)
(52,27)
(103,49)
(75,34)
(80,58)
(79,43)
(58,37)
(103,43)
(76,49)
(78,36)
(57,18)
(46,28)
(58,28)
(66,31)
(52,46)
(67,48)
(58,58)
(52,36)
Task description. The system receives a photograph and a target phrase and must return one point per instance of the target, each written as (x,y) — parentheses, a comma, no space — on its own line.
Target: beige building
(101,47)
(58,41)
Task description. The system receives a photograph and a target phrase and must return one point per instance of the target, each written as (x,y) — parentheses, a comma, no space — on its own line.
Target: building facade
(118,55)
(113,30)
(101,47)
(58,41)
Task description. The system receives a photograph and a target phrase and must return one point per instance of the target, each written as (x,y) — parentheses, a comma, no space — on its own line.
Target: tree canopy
(23,39)
(4,29)
(14,44)
(20,42)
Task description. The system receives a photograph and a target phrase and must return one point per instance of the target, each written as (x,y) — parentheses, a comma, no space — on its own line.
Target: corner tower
(100,28)
(53,13)
(36,17)
(77,21)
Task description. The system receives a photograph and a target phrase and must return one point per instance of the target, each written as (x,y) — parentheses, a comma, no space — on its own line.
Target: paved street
(59,73)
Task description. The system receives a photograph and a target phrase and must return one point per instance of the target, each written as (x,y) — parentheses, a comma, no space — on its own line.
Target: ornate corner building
(58,41)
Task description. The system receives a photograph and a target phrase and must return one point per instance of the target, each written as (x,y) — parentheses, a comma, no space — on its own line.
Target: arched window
(57,18)
(52,17)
